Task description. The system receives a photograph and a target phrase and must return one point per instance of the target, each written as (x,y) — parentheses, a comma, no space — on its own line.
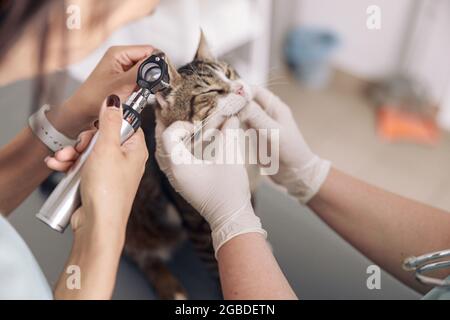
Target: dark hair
(15,16)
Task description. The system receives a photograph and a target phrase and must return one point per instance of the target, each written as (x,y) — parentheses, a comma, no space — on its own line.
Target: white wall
(283,18)
(444,115)
(377,53)
(364,52)
(428,58)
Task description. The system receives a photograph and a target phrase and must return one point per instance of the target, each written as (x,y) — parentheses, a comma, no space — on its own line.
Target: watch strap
(45,131)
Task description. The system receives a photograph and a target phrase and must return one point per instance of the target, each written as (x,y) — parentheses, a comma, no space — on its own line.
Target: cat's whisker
(277,80)
(273,78)
(203,123)
(278,75)
(271,83)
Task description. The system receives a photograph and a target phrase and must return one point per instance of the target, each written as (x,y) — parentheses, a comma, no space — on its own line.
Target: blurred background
(368,83)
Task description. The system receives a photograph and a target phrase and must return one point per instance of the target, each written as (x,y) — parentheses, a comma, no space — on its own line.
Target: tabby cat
(160,218)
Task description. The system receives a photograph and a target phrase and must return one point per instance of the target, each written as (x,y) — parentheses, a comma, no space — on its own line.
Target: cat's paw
(171,289)
(180,296)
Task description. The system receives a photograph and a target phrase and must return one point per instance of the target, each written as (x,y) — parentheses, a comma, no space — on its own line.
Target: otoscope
(152,77)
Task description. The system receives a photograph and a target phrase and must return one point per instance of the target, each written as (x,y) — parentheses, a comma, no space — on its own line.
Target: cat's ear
(173,73)
(204,52)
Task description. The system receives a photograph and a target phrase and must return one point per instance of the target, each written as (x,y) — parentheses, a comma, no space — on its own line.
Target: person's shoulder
(438,293)
(20,275)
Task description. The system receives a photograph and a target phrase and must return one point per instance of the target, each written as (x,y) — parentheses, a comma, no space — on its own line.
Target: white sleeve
(20,275)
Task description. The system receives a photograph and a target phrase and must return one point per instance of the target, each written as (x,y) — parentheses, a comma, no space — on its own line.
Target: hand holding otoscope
(65,199)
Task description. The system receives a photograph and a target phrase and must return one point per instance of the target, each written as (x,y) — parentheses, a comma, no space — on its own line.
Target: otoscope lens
(151,72)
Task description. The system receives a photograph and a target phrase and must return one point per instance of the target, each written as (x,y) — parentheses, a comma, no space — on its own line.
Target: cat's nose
(239,90)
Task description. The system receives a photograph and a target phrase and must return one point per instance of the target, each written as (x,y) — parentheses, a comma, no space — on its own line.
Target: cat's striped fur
(160,216)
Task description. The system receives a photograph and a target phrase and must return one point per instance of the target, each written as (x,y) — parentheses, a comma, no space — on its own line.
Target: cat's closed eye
(215,91)
(228,73)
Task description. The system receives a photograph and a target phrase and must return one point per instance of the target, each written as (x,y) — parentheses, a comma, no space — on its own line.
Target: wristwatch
(45,131)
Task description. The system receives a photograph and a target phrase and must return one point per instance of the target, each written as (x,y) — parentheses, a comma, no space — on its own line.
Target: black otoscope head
(153,74)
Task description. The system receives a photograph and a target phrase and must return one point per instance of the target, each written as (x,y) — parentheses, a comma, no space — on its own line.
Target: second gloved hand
(300,170)
(219,192)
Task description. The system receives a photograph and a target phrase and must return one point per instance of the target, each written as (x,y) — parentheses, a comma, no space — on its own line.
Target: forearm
(95,253)
(248,270)
(22,166)
(22,169)
(385,227)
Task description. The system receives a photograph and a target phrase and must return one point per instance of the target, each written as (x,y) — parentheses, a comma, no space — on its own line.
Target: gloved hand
(218,191)
(300,170)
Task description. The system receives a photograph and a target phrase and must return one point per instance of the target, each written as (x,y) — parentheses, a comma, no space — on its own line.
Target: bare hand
(110,177)
(115,74)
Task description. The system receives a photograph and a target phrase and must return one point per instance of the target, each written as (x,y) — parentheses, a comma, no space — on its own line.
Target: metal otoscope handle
(65,199)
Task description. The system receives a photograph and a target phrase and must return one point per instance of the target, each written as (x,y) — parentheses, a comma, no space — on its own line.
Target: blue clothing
(438,294)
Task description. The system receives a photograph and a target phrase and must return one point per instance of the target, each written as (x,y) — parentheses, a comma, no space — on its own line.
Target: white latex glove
(219,192)
(300,170)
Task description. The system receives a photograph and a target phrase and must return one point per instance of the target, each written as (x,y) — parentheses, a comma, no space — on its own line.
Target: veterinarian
(111,175)
(385,227)
(98,227)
